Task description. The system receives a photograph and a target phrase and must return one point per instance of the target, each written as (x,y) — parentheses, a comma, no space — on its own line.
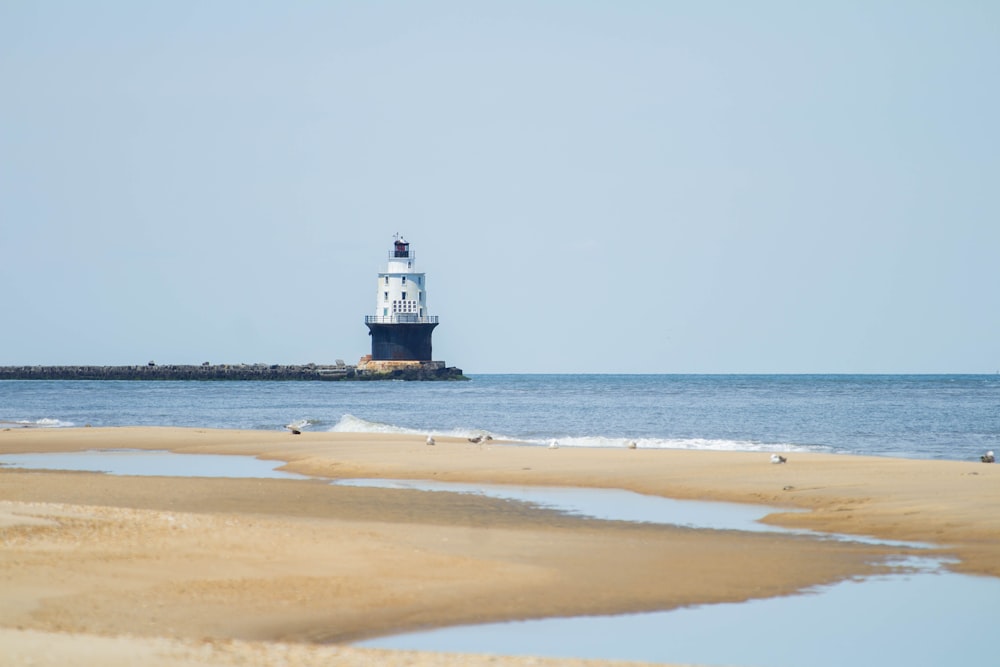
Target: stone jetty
(223,372)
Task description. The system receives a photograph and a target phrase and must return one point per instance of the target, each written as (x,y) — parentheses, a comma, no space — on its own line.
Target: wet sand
(186,571)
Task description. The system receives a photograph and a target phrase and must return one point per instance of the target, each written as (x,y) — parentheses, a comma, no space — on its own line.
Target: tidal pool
(607,504)
(150,464)
(921,617)
(619,505)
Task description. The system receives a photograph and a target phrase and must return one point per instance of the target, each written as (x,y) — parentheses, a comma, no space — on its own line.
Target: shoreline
(330,564)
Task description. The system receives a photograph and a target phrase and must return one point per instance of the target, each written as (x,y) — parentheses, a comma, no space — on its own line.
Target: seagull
(476,440)
(631,444)
(296,427)
(430,440)
(553,444)
(988,457)
(777,458)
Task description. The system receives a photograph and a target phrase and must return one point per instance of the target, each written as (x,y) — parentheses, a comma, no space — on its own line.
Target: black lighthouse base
(401,341)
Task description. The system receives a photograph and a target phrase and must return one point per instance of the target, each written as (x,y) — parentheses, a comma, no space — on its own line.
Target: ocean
(949,417)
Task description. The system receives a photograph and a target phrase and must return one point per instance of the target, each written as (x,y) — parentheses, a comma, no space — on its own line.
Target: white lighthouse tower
(401,327)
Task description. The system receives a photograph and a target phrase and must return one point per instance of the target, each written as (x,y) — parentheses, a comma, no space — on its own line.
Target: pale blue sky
(590,186)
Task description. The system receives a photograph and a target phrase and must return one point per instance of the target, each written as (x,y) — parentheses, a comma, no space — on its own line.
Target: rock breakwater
(230,372)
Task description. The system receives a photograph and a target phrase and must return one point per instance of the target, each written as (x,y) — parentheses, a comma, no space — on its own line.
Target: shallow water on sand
(619,505)
(925,618)
(150,463)
(607,504)
(920,615)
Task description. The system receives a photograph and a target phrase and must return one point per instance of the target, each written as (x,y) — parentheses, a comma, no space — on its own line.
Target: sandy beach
(112,570)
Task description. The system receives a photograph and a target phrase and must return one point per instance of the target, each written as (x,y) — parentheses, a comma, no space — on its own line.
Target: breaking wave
(37,423)
(351,424)
(703,444)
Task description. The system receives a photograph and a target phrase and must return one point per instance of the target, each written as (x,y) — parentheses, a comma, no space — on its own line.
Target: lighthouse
(401,327)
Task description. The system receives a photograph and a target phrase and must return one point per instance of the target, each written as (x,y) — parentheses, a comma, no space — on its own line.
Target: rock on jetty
(206,371)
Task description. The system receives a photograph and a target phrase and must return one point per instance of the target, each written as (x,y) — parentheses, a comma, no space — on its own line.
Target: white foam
(678,443)
(37,423)
(52,423)
(351,424)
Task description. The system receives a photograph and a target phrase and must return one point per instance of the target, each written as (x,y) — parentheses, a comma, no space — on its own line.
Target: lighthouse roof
(400,249)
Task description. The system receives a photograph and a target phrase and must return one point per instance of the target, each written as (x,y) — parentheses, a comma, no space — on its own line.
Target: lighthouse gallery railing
(401,318)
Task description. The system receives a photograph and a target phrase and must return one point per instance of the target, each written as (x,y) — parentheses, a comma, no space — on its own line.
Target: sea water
(953,417)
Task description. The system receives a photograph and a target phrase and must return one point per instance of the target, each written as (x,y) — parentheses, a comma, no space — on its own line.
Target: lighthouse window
(387,280)
(404,282)
(404,296)
(385,296)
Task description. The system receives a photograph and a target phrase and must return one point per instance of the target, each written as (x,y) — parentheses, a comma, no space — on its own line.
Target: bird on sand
(296,427)
(777,458)
(430,440)
(631,444)
(476,440)
(988,457)
(553,444)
